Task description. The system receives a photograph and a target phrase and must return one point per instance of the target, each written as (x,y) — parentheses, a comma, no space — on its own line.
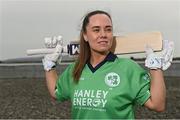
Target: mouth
(103,42)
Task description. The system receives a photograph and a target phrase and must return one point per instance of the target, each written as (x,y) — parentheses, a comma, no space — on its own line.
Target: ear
(85,37)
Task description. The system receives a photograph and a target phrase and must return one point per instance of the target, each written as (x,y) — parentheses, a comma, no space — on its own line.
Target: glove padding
(152,60)
(163,61)
(167,54)
(49,60)
(51,42)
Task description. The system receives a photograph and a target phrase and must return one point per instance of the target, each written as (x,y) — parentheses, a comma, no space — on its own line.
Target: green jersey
(109,91)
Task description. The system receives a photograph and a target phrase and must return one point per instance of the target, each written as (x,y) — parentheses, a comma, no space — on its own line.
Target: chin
(101,50)
(104,51)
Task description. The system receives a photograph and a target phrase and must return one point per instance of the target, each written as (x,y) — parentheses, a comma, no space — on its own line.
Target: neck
(96,58)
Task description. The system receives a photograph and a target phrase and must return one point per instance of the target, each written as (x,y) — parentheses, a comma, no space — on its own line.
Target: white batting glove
(167,54)
(50,60)
(163,61)
(152,60)
(51,42)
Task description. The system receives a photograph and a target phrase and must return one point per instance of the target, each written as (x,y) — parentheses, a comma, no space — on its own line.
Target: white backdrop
(25,23)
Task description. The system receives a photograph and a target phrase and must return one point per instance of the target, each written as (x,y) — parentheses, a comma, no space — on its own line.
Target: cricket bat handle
(71,49)
(40,51)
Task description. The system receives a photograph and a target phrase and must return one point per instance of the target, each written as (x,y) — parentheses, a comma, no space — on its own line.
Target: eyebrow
(99,26)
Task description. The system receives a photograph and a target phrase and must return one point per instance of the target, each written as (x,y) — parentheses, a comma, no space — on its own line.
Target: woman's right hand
(50,60)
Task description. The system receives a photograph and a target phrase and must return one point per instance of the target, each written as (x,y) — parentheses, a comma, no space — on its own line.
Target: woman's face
(99,33)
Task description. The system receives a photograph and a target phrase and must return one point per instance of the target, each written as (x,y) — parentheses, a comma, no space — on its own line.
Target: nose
(103,33)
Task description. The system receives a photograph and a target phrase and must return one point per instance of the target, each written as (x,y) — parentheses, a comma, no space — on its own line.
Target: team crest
(112,79)
(146,77)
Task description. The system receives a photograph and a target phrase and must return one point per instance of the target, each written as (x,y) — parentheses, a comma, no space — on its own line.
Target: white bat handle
(39,51)
(43,51)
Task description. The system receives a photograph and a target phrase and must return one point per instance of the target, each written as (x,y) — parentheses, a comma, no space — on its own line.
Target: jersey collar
(109,58)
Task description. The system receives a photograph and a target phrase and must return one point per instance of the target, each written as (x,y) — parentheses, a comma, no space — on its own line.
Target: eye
(109,29)
(96,30)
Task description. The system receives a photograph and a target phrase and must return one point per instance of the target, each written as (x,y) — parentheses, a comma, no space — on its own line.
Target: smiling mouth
(103,42)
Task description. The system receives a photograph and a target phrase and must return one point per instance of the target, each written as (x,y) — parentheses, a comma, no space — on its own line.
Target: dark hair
(85,53)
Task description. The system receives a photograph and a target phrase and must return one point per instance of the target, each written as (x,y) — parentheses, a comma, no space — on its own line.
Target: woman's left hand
(162,61)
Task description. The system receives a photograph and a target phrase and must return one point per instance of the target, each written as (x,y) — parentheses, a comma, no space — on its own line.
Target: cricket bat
(125,44)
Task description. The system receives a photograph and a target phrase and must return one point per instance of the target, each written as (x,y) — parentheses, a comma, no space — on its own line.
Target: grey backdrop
(25,23)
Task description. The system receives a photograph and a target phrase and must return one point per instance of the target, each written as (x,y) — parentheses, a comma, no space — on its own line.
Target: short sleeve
(62,90)
(143,88)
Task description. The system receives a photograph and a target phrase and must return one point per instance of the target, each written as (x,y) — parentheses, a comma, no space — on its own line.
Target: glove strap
(48,65)
(153,62)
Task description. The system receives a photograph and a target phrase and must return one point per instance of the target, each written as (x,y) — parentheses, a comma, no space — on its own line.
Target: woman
(99,84)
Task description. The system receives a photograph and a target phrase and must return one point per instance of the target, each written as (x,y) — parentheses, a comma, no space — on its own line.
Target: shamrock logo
(112,79)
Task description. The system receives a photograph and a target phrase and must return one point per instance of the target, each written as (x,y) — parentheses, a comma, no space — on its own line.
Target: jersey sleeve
(62,90)
(140,84)
(143,88)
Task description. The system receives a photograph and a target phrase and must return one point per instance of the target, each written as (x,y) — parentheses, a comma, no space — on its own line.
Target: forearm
(157,90)
(51,78)
(163,61)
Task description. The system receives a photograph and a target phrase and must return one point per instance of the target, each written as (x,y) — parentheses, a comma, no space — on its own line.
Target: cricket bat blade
(136,42)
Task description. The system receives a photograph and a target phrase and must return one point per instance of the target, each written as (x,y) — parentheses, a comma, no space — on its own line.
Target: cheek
(92,43)
(111,40)
(92,39)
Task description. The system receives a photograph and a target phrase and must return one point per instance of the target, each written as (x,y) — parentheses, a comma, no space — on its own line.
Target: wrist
(157,71)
